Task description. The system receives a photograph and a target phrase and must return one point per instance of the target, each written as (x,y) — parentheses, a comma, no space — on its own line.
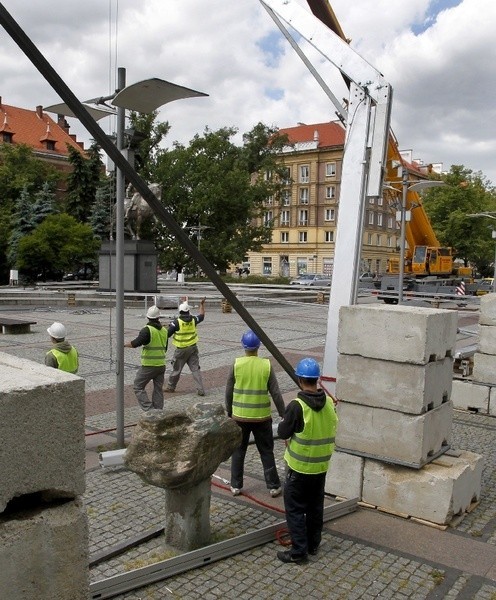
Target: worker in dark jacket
(63,355)
(309,424)
(153,340)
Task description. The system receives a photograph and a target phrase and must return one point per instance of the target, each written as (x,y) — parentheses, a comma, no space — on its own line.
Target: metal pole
(119,275)
(401,277)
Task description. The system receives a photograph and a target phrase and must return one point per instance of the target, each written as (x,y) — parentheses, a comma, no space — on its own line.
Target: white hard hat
(184,307)
(153,312)
(57,331)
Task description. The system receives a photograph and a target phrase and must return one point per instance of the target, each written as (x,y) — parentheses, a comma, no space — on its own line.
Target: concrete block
(44,553)
(487,339)
(466,394)
(345,475)
(492,400)
(488,309)
(393,436)
(484,370)
(405,387)
(397,333)
(442,489)
(41,431)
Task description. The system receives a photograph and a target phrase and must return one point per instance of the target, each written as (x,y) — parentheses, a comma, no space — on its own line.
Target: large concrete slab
(488,310)
(405,387)
(484,370)
(394,436)
(442,489)
(345,475)
(397,333)
(469,395)
(44,553)
(487,339)
(41,431)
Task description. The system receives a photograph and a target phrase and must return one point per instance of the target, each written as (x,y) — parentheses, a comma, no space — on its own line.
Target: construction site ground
(365,554)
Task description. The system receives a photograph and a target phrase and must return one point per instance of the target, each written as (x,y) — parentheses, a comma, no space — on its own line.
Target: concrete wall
(43,524)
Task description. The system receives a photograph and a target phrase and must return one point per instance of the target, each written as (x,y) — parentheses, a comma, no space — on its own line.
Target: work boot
(274,492)
(169,389)
(287,557)
(235,491)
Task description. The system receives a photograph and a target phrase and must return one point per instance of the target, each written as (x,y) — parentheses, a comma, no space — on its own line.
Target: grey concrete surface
(366,555)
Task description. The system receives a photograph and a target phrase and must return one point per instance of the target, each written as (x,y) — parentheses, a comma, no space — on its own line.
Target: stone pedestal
(187,516)
(140,266)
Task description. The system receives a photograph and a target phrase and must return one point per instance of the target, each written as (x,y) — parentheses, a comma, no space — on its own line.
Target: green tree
(101,213)
(212,188)
(44,204)
(57,245)
(146,136)
(83,181)
(19,169)
(24,222)
(448,208)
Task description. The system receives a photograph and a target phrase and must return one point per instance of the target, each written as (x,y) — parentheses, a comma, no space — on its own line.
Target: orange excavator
(424,255)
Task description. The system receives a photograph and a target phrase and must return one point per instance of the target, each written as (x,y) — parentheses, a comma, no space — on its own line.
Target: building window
(369,239)
(303,195)
(7,137)
(304,174)
(390,222)
(302,237)
(301,266)
(284,237)
(285,218)
(303,217)
(371,200)
(330,169)
(330,191)
(267,265)
(268,218)
(328,236)
(269,201)
(380,201)
(379,219)
(286,197)
(329,214)
(378,240)
(389,241)
(371,217)
(286,175)
(50,145)
(268,176)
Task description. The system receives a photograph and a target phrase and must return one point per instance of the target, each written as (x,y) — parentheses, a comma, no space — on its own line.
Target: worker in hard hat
(185,339)
(249,384)
(63,355)
(153,341)
(309,424)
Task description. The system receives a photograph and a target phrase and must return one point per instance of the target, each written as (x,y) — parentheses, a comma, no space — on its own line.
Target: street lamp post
(490,215)
(143,96)
(404,217)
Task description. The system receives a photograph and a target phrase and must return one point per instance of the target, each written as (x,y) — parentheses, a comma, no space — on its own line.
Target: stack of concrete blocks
(43,523)
(394,377)
(478,393)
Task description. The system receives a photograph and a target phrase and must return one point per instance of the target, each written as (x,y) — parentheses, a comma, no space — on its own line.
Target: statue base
(140,266)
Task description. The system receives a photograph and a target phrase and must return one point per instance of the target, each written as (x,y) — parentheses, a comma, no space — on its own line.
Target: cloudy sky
(438,55)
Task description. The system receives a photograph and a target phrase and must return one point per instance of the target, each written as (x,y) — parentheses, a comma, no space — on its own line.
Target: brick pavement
(364,555)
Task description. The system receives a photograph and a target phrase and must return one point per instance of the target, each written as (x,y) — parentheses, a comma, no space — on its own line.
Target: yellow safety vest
(250,396)
(153,354)
(309,451)
(67,361)
(187,334)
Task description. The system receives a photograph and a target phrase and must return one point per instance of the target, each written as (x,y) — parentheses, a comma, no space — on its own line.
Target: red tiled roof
(34,127)
(329,134)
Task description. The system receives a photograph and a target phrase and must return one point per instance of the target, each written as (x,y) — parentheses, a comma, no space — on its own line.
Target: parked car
(485,286)
(312,279)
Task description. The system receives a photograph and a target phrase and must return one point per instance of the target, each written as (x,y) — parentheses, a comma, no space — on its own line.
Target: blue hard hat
(250,340)
(308,368)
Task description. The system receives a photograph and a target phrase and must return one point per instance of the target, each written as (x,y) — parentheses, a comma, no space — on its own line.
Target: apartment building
(305,217)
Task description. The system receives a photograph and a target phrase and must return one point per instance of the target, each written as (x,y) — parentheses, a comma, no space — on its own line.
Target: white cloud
(443,78)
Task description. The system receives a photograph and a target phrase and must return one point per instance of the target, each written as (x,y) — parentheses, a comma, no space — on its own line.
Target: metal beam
(65,93)
(119,584)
